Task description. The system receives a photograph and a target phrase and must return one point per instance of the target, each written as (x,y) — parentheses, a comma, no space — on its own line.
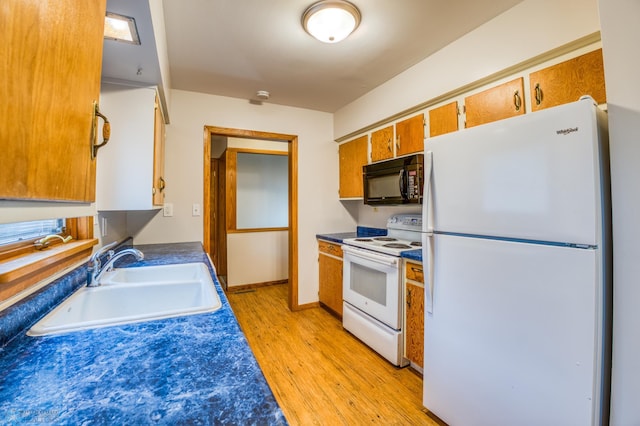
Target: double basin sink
(129,295)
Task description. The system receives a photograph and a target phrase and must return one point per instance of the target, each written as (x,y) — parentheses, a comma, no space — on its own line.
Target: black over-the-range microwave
(396,181)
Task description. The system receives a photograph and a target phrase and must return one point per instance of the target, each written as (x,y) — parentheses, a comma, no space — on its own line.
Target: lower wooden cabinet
(414,313)
(330,276)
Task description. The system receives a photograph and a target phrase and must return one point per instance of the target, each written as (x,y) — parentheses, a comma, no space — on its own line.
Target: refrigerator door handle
(428,288)
(428,210)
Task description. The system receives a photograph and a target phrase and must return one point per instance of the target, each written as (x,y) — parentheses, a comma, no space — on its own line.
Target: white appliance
(517,251)
(372,286)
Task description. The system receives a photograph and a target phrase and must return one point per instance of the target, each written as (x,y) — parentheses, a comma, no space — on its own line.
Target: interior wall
(620,33)
(529,29)
(257,257)
(319,210)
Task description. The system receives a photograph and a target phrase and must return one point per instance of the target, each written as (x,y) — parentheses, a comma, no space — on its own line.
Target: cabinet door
(414,333)
(158,156)
(353,155)
(410,135)
(443,119)
(330,278)
(382,144)
(494,104)
(50,77)
(568,81)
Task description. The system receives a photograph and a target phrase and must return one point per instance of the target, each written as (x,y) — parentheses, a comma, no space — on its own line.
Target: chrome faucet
(95,270)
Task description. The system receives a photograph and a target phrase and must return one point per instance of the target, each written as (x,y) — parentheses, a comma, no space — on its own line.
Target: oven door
(371,283)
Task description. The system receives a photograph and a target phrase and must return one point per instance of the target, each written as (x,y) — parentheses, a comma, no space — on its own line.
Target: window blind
(19,231)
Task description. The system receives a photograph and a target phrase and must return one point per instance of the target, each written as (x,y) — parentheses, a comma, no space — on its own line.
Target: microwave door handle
(403,193)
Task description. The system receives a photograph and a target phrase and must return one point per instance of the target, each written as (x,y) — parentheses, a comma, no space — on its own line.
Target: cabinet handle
(517,100)
(538,94)
(162,184)
(409,297)
(397,144)
(389,145)
(416,270)
(106,130)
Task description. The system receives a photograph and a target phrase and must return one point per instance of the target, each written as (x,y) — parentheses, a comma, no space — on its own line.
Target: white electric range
(372,287)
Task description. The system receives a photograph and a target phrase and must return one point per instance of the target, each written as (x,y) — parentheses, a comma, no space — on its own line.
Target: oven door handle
(369,255)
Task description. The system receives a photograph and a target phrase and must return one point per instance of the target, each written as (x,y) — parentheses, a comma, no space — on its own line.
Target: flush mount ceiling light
(331,21)
(120,28)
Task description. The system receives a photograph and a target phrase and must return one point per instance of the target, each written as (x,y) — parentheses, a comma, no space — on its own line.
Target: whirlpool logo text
(566,131)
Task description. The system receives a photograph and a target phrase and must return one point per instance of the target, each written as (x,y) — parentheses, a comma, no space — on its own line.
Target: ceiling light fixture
(331,21)
(120,28)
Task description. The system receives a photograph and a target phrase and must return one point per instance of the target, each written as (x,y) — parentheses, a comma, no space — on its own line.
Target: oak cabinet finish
(158,155)
(410,135)
(330,276)
(353,155)
(443,119)
(414,313)
(382,144)
(568,81)
(497,103)
(49,79)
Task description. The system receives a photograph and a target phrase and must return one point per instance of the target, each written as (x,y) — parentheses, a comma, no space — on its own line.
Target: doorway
(210,194)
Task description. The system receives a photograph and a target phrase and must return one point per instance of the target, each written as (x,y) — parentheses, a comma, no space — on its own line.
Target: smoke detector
(263,95)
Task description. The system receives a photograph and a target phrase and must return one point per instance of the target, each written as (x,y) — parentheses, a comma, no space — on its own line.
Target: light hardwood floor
(319,373)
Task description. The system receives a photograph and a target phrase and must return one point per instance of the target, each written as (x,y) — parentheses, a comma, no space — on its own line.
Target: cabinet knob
(517,100)
(538,91)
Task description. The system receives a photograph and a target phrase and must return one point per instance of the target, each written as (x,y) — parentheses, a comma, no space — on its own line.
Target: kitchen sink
(130,295)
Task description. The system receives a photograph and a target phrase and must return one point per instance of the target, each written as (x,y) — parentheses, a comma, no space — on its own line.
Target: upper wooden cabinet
(443,119)
(568,81)
(51,56)
(410,135)
(353,155)
(494,104)
(382,144)
(130,166)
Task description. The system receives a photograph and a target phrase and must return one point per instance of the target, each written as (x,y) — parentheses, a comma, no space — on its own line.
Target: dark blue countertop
(194,369)
(367,232)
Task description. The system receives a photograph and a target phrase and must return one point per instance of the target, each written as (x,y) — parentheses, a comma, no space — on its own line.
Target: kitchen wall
(514,37)
(528,29)
(319,210)
(620,35)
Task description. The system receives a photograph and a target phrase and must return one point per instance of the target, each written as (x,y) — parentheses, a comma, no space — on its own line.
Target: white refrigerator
(516,243)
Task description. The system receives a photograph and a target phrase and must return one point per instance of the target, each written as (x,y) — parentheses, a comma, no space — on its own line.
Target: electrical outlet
(195,211)
(167,210)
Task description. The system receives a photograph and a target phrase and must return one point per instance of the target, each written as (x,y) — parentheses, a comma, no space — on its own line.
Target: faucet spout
(96,272)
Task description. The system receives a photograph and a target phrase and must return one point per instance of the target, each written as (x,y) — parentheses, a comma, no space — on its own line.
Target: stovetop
(403,233)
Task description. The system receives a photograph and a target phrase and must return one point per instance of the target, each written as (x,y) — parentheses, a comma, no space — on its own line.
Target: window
(22,231)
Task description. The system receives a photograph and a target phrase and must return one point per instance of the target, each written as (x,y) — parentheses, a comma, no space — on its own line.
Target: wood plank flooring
(321,374)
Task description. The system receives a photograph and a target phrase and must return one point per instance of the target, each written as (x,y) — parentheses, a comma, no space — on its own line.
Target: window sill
(19,272)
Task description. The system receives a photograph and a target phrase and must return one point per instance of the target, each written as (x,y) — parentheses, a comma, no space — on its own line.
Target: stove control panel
(405,221)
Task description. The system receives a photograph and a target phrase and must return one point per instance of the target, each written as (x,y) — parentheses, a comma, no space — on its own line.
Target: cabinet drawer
(414,272)
(330,248)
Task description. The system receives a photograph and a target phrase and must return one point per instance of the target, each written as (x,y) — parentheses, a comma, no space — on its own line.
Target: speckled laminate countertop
(194,369)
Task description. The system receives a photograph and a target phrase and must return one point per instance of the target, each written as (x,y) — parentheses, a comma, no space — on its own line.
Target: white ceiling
(237,47)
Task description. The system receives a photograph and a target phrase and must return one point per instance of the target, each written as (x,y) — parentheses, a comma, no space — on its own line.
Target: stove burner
(396,246)
(367,240)
(416,243)
(385,239)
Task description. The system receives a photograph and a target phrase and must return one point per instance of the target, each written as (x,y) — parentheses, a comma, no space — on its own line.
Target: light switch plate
(167,210)
(195,211)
